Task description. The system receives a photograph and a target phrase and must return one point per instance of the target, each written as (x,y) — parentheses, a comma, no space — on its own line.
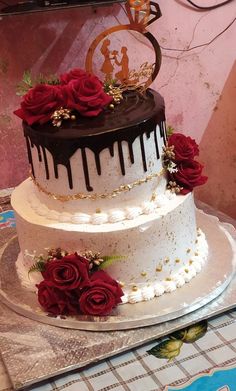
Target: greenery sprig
(38,266)
(169,131)
(95,260)
(109,260)
(29,82)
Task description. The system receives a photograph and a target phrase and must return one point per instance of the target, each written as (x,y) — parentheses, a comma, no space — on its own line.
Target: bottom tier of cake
(155,253)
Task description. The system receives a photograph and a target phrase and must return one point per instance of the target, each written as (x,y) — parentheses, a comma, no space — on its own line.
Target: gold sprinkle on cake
(154,196)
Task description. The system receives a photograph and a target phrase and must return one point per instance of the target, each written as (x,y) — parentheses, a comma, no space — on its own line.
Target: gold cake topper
(116,65)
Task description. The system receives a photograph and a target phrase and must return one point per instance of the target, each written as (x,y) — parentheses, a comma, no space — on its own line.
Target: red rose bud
(67,273)
(185,148)
(86,95)
(189,175)
(102,296)
(56,302)
(40,103)
(74,74)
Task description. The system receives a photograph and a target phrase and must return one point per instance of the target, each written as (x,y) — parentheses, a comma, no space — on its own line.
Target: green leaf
(27,79)
(167,349)
(191,333)
(50,79)
(169,131)
(28,82)
(107,84)
(39,266)
(23,86)
(109,260)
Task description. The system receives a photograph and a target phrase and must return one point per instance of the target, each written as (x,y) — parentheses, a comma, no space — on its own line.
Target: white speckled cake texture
(110,179)
(159,252)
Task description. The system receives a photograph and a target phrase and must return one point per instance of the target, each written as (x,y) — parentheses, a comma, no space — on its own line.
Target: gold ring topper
(116,65)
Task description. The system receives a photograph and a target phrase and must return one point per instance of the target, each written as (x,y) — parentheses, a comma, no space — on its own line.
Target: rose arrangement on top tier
(74,284)
(184,172)
(58,99)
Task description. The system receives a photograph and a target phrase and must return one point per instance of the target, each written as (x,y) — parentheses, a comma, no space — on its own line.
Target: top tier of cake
(96,165)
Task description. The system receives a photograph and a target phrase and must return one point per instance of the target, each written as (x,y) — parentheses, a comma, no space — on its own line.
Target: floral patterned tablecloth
(186,361)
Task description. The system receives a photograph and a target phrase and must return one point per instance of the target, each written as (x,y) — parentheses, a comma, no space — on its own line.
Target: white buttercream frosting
(169,286)
(112,216)
(197,265)
(80,218)
(53,215)
(65,217)
(148,293)
(178,280)
(99,218)
(147,207)
(135,296)
(142,292)
(28,280)
(132,213)
(158,289)
(116,215)
(188,273)
(125,298)
(185,274)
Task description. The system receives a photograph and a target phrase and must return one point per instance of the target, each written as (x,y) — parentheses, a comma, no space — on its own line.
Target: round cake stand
(205,287)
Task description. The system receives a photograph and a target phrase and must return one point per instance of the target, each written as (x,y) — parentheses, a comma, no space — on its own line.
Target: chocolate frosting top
(133,110)
(135,116)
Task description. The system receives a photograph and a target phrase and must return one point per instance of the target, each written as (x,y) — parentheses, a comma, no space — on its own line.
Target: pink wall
(218,151)
(192,82)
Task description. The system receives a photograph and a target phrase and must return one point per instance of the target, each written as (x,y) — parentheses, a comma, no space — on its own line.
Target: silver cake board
(33,351)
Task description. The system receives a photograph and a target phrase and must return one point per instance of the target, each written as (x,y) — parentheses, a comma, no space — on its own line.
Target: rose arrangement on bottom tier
(76,284)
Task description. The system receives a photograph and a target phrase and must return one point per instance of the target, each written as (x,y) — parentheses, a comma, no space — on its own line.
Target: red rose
(86,95)
(102,296)
(67,273)
(185,148)
(55,301)
(74,74)
(189,175)
(40,103)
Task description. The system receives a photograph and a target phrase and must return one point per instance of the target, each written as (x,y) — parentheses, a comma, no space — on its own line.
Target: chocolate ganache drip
(136,117)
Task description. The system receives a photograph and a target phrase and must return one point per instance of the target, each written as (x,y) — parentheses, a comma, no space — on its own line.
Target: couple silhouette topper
(111,62)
